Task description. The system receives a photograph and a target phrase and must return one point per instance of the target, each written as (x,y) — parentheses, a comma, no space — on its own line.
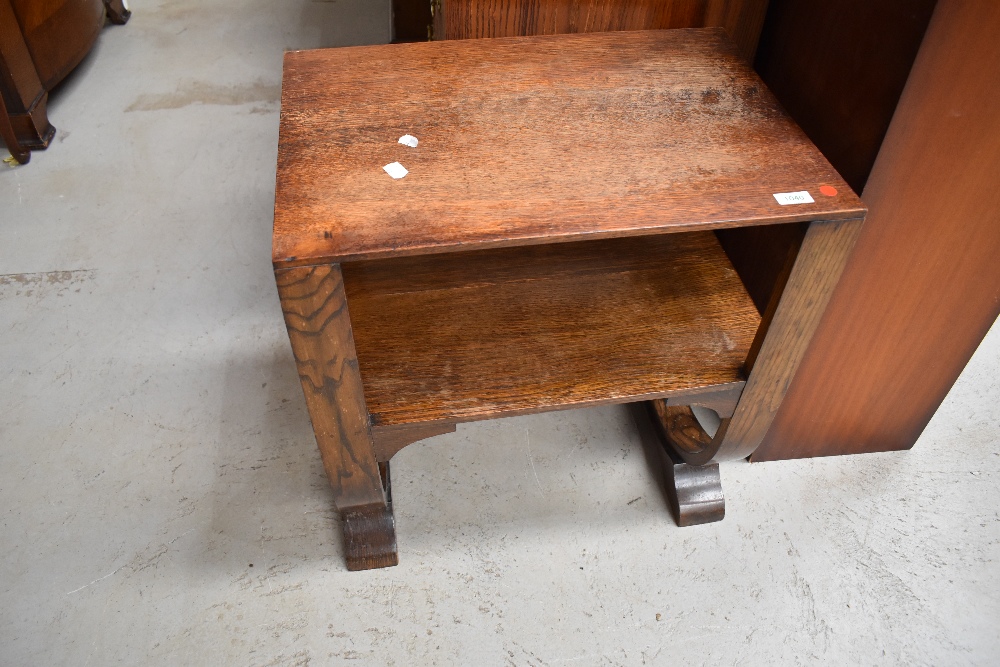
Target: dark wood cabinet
(41,41)
(923,286)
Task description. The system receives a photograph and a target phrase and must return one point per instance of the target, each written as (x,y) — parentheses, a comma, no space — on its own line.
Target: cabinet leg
(117,11)
(319,328)
(18,153)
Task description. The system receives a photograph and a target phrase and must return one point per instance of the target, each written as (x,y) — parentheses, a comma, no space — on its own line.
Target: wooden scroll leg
(786,329)
(319,328)
(694,492)
(117,11)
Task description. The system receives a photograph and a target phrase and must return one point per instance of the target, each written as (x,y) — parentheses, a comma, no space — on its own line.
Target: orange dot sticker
(828,190)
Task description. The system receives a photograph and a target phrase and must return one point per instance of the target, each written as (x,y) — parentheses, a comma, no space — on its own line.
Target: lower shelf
(466,336)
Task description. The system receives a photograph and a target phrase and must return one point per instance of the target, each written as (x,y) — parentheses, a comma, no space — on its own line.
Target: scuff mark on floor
(203,92)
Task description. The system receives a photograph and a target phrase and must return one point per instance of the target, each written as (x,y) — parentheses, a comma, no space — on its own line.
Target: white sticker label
(395,170)
(409,140)
(786,198)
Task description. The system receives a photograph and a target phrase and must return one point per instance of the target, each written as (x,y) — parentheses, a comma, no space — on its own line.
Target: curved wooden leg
(694,491)
(117,11)
(319,328)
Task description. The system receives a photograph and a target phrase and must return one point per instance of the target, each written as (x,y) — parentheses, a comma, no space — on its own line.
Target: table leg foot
(370,531)
(694,491)
(370,537)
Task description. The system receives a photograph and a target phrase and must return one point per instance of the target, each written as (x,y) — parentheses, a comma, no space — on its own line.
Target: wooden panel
(59,33)
(19,82)
(923,286)
(839,67)
(532,140)
(319,328)
(465,19)
(459,337)
(391,439)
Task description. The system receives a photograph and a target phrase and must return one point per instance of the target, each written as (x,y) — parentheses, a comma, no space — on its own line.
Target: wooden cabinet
(923,286)
(41,41)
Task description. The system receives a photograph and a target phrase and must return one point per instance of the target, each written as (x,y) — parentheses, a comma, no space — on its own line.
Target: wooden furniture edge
(319,329)
(795,312)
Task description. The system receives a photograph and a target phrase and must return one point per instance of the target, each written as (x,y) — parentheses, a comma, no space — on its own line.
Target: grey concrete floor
(162,500)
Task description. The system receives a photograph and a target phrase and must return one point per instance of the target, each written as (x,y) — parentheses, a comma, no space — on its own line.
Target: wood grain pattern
(923,285)
(785,339)
(781,341)
(532,140)
(472,19)
(459,337)
(319,328)
(722,400)
(680,427)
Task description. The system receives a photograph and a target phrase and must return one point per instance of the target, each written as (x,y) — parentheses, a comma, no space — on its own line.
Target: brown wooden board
(923,285)
(470,19)
(467,336)
(533,140)
(839,67)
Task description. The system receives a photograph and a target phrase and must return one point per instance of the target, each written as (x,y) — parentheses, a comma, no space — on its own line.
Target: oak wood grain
(533,140)
(722,400)
(772,361)
(459,337)
(319,328)
(786,332)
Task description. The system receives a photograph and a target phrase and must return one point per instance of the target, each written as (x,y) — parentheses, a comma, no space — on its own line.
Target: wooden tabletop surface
(533,140)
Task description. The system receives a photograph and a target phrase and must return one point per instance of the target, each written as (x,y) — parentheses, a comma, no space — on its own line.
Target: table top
(534,140)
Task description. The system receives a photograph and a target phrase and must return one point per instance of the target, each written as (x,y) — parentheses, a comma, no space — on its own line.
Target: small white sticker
(409,140)
(786,198)
(395,170)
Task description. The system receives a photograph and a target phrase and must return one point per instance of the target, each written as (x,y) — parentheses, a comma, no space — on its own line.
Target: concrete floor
(162,498)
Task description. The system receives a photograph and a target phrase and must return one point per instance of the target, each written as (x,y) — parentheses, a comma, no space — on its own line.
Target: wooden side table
(550,247)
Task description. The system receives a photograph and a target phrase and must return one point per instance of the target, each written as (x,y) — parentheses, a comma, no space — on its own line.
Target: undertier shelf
(466,336)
